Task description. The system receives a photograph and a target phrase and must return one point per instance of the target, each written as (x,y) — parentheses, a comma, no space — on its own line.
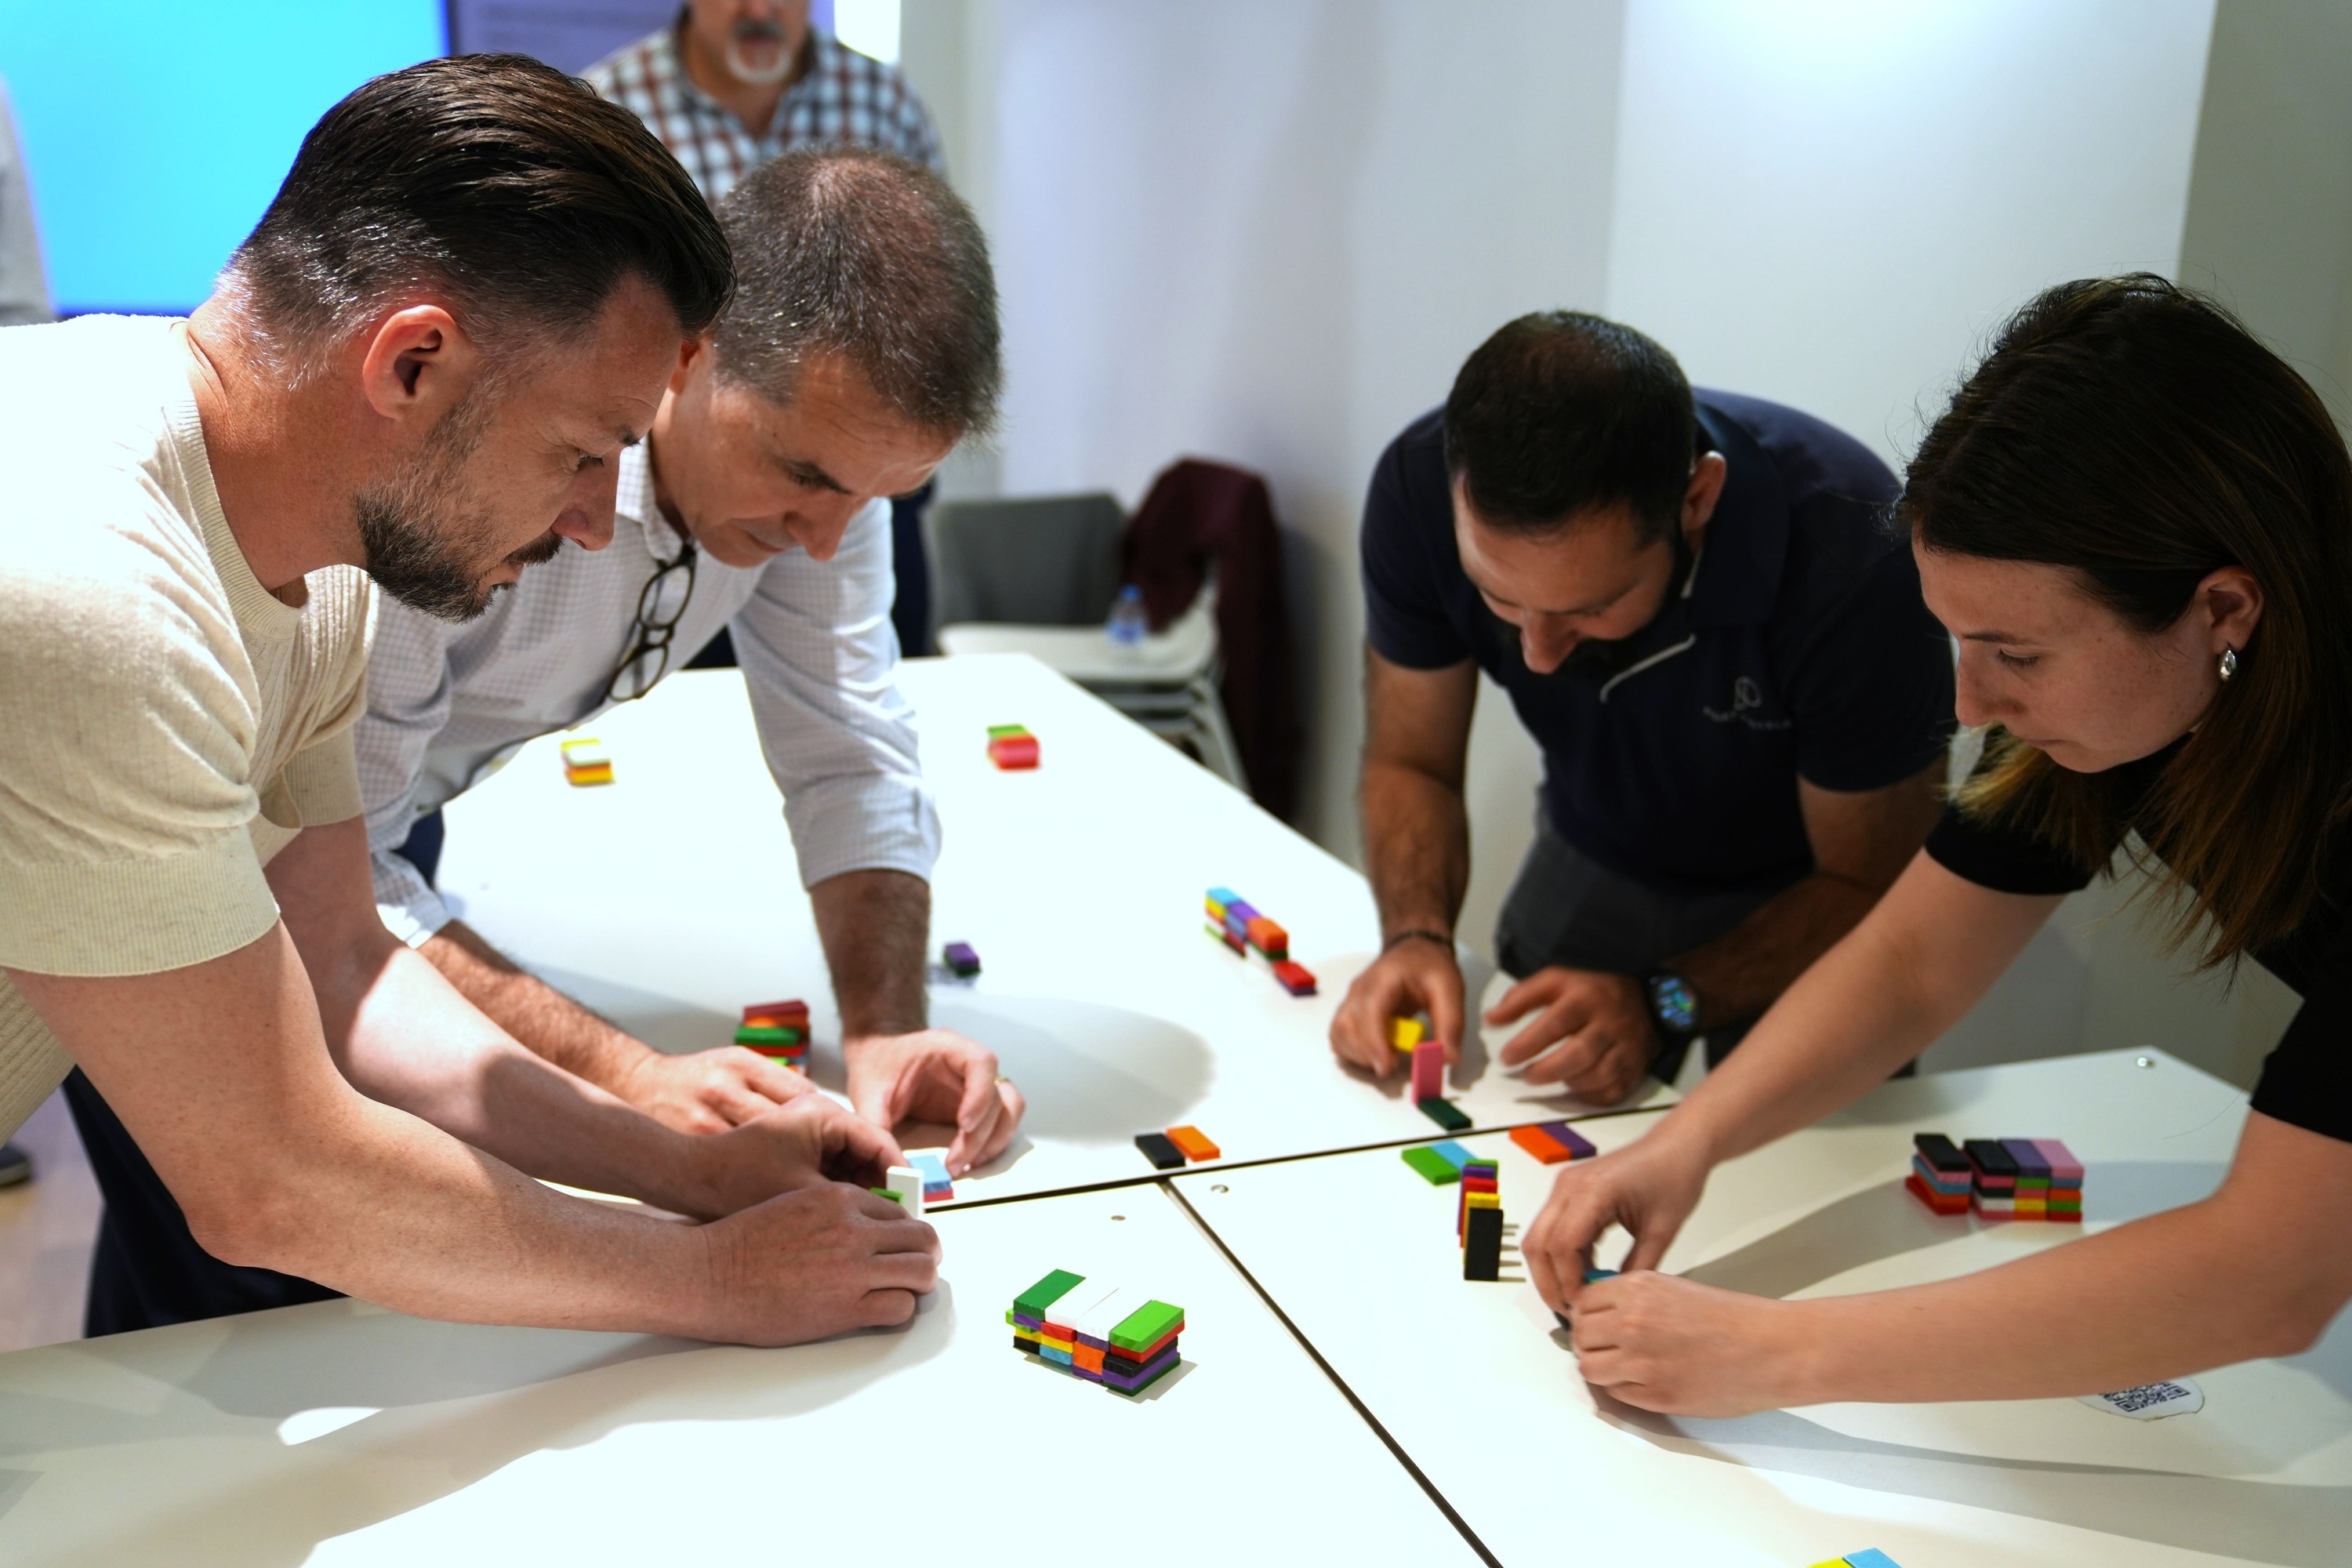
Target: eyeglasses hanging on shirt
(659,608)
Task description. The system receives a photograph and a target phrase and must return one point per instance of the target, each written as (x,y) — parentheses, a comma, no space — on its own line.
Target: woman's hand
(1684,1349)
(1649,1187)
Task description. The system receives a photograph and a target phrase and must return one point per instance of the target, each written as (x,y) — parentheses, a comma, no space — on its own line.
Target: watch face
(1674,1003)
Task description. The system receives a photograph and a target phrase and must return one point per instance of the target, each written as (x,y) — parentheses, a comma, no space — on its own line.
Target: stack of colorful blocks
(1103,1333)
(586,761)
(2000,1178)
(936,1188)
(1438,1163)
(1169,1150)
(1011,747)
(1478,1221)
(1942,1176)
(1233,922)
(778,1031)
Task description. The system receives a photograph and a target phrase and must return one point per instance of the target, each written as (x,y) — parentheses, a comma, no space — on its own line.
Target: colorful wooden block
(1406,1033)
(1579,1147)
(1431,1166)
(1482,1248)
(1032,1303)
(1541,1145)
(960,959)
(906,1184)
(1429,1071)
(1012,753)
(1268,938)
(1161,1150)
(1443,1113)
(1195,1145)
(1296,979)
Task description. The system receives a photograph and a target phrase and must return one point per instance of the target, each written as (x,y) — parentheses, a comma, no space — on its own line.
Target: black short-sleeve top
(1800,648)
(2307,1078)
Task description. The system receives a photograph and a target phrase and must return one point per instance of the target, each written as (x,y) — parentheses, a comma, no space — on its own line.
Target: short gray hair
(850,251)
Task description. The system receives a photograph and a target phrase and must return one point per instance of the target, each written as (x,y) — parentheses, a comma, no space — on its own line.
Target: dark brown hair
(850,251)
(2138,435)
(502,182)
(1559,411)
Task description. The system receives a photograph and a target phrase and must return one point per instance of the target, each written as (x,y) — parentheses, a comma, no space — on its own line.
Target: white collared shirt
(446,704)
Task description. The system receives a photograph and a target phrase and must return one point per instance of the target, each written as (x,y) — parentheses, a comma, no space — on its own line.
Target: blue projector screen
(155,134)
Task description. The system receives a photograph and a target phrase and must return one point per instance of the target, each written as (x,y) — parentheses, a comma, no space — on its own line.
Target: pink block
(2066,1171)
(1429,1071)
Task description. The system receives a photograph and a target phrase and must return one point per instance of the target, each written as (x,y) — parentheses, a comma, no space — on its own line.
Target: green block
(1142,1329)
(1444,1114)
(898,1198)
(1433,1167)
(1032,1303)
(1000,731)
(756,1034)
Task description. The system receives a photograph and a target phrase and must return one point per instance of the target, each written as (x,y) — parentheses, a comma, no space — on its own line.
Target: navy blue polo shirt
(1800,648)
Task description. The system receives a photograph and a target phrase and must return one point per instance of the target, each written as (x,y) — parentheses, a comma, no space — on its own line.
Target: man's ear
(1706,489)
(693,356)
(417,363)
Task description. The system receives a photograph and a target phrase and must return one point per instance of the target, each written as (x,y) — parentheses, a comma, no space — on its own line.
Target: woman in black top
(2137,522)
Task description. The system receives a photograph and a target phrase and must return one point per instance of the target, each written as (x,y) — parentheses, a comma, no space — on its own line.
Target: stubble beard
(424,545)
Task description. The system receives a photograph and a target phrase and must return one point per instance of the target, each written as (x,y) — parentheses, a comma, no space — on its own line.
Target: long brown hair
(2137,435)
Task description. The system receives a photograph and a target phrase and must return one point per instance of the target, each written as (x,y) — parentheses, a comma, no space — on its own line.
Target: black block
(1940,1153)
(1991,1159)
(1163,1155)
(1482,1246)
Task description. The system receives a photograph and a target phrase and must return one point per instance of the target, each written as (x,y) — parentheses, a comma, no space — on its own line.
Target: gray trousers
(1566,907)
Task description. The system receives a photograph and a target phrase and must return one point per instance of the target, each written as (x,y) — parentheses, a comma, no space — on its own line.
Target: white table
(343,1434)
(668,899)
(1475,1383)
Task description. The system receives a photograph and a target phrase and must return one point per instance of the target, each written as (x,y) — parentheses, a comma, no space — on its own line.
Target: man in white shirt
(460,308)
(860,345)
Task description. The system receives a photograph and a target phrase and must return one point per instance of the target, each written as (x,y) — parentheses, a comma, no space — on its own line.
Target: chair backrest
(1041,560)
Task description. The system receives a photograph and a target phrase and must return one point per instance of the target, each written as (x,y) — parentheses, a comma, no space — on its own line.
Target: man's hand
(1686,1349)
(709,1091)
(807,1143)
(936,1075)
(1416,975)
(817,1261)
(1599,1024)
(1649,1187)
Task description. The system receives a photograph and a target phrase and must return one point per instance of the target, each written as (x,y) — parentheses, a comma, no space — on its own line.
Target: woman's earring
(2229,662)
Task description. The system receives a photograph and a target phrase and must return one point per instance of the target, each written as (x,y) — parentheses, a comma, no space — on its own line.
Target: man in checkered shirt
(732,83)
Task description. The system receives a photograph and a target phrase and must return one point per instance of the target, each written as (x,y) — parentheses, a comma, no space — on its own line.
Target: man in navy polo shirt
(1742,701)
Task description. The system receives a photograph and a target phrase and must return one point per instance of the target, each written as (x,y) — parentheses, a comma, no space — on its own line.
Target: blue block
(1869,1557)
(934,1169)
(1453,1154)
(1592,1275)
(1063,1357)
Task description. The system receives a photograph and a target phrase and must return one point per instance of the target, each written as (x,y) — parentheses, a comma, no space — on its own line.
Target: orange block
(1541,1145)
(1268,938)
(1196,1145)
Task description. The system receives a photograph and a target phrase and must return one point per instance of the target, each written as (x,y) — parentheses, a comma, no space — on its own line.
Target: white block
(908,1183)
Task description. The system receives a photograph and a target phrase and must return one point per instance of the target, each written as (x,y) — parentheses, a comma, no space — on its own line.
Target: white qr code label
(2150,1401)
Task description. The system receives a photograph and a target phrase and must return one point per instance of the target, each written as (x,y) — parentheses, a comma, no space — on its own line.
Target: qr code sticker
(2150,1401)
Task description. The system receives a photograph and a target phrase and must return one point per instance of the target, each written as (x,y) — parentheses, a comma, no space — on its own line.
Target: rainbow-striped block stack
(1103,1333)
(778,1031)
(586,761)
(1235,922)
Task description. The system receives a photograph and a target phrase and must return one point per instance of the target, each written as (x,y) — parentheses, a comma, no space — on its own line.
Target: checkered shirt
(844,97)
(448,705)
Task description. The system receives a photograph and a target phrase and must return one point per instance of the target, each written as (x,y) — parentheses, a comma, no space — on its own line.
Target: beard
(424,546)
(748,32)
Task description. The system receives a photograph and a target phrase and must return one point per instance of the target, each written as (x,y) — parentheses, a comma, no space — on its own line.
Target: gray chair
(1049,561)
(1037,576)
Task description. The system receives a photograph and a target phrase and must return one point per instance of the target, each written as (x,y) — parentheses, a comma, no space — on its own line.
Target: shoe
(16,1165)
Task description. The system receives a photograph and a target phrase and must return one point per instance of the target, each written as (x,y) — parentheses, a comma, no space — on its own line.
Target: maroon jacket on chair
(1201,514)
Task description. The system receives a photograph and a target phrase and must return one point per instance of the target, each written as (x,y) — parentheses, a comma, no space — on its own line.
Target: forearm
(1742,972)
(373,1201)
(1416,847)
(2190,1288)
(876,927)
(533,1013)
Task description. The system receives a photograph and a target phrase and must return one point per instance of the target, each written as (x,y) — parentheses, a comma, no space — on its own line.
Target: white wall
(1267,231)
(1833,202)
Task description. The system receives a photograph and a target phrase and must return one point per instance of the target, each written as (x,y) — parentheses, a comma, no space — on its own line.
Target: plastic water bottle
(1128,623)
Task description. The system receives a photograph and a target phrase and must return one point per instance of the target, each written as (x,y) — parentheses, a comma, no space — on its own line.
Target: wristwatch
(1674,1003)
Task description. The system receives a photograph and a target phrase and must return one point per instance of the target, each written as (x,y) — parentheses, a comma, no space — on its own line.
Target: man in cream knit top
(173,723)
(464,303)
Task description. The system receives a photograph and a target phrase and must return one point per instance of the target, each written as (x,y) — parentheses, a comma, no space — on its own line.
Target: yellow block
(1406,1033)
(1482,1200)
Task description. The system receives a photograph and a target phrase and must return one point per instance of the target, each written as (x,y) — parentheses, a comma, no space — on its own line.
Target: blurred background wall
(1267,233)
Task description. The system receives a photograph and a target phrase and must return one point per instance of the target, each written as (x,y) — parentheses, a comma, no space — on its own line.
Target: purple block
(2029,1159)
(1578,1146)
(961,958)
(1152,1369)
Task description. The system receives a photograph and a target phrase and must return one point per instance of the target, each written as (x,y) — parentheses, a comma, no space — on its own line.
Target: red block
(1296,979)
(1011,752)
(1956,1203)
(782,1014)
(1429,1071)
